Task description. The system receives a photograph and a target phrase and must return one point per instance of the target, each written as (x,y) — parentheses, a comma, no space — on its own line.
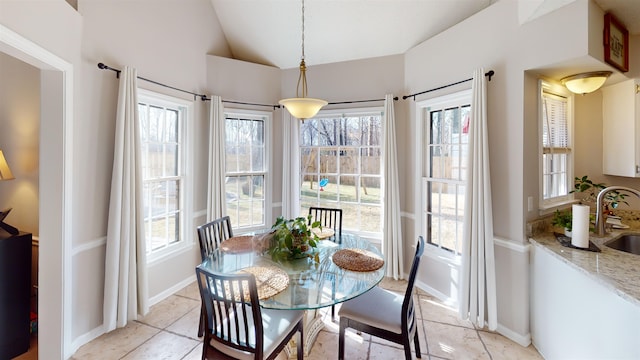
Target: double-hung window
(445,139)
(340,156)
(163,131)
(247,168)
(555,144)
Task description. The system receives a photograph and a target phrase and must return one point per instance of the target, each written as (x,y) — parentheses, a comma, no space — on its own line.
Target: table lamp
(5,174)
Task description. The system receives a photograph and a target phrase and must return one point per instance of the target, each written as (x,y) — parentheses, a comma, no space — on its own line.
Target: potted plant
(591,190)
(563,219)
(293,238)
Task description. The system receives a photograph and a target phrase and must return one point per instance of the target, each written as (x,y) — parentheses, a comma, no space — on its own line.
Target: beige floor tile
(454,342)
(164,346)
(502,348)
(326,347)
(382,352)
(169,310)
(117,343)
(195,354)
(190,291)
(187,325)
(393,285)
(433,309)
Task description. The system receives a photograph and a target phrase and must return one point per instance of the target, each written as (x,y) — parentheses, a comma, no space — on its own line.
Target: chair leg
(417,344)
(333,312)
(343,326)
(301,341)
(201,325)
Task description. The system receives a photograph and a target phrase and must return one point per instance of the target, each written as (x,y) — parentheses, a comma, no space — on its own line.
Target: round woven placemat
(238,244)
(270,280)
(357,260)
(324,233)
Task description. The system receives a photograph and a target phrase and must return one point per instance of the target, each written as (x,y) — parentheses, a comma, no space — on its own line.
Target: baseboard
(520,339)
(86,337)
(172,290)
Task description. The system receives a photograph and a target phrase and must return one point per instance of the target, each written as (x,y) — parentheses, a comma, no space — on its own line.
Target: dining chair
(395,322)
(236,326)
(329,218)
(210,235)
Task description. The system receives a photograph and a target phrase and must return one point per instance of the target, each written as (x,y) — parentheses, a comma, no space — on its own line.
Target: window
(446,141)
(555,144)
(162,123)
(246,169)
(341,166)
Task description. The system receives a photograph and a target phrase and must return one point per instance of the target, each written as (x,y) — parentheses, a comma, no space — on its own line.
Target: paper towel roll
(580,226)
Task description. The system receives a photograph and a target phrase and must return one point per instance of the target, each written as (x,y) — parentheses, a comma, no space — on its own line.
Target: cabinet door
(620,143)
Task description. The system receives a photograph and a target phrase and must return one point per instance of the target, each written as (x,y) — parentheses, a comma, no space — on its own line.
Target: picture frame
(616,43)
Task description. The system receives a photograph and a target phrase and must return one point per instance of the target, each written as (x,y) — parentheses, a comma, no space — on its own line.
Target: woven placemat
(324,233)
(357,260)
(238,244)
(270,280)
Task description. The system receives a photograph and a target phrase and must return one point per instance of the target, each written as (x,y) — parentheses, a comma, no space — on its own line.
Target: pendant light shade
(586,82)
(5,172)
(301,106)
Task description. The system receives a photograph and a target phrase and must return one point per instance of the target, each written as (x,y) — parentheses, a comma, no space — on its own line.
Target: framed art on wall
(616,43)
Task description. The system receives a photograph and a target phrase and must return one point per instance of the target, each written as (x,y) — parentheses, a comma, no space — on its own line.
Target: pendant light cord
(302,78)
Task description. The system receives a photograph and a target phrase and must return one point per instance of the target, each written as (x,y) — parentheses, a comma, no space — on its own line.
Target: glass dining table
(312,284)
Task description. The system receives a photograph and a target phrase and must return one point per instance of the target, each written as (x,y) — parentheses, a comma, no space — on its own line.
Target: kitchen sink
(628,243)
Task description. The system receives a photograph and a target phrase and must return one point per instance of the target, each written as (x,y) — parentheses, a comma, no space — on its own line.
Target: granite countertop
(612,268)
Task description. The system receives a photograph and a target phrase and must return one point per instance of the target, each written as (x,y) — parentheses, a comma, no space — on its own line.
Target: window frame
(352,112)
(546,206)
(423,162)
(188,180)
(267,118)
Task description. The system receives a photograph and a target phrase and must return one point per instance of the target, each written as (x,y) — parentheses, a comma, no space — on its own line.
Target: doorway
(54,278)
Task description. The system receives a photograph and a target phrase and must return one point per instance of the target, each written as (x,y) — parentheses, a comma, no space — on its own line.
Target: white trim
(522,340)
(76,250)
(511,245)
(60,238)
(172,290)
(86,337)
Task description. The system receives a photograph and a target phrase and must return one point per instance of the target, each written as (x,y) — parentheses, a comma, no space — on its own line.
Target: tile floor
(169,331)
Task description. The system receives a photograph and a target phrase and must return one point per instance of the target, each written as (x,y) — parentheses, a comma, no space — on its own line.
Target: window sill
(551,208)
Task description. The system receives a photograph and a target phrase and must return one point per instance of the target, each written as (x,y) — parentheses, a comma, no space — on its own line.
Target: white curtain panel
(216,197)
(392,243)
(478,278)
(290,166)
(125,288)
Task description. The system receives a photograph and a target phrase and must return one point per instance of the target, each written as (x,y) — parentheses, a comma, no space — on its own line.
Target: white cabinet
(621,129)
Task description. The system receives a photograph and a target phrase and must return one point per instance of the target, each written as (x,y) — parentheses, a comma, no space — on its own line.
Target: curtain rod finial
(102,66)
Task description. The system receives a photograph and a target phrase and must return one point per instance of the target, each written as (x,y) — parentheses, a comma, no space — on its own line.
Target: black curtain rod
(489,73)
(358,101)
(205,98)
(195,96)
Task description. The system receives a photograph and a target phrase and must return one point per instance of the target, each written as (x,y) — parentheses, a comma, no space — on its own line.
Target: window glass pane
(446,145)
(336,151)
(246,167)
(160,125)
(328,161)
(370,190)
(556,153)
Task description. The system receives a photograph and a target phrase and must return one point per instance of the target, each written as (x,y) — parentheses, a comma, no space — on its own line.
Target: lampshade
(5,172)
(586,82)
(302,107)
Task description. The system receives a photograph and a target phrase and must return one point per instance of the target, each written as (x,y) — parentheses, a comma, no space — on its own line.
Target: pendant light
(586,82)
(302,107)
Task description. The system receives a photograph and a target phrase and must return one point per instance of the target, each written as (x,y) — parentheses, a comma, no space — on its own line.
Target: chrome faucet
(600,216)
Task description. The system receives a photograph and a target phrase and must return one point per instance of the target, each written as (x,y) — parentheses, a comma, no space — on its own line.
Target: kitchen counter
(614,269)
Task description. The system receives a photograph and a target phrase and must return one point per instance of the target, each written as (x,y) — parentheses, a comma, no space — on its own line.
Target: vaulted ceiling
(270,31)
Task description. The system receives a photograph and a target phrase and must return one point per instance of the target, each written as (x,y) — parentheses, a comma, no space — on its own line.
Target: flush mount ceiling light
(302,107)
(586,82)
